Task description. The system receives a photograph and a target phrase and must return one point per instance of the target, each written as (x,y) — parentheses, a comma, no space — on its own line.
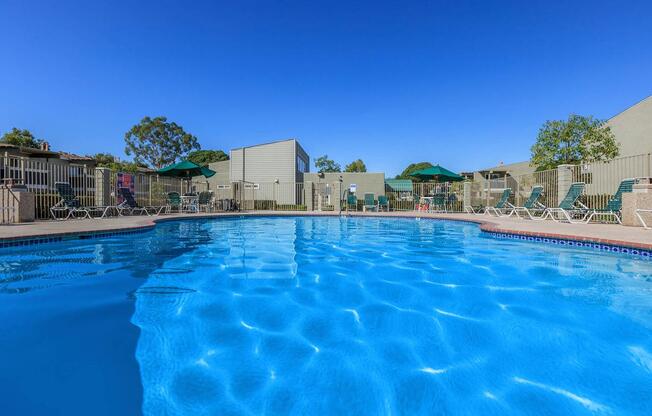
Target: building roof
(642,102)
(399,185)
(72,156)
(266,143)
(28,151)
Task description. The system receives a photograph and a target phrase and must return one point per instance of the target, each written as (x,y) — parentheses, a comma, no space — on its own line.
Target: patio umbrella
(185,169)
(437,174)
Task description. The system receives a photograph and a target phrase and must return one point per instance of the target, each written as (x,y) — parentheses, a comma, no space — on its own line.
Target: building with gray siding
(271,171)
(282,161)
(276,171)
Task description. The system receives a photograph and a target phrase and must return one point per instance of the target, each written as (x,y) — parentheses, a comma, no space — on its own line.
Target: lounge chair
(475,209)
(130,206)
(640,211)
(173,202)
(502,207)
(615,204)
(205,201)
(70,205)
(383,201)
(531,205)
(570,208)
(351,201)
(369,202)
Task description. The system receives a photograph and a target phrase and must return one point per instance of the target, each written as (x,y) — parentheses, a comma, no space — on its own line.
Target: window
(302,165)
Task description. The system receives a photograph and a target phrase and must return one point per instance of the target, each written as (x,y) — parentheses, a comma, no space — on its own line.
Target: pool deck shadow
(611,234)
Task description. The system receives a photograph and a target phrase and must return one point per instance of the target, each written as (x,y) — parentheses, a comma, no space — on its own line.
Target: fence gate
(323,198)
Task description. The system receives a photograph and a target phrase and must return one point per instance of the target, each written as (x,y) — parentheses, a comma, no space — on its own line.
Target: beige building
(277,171)
(631,127)
(361,182)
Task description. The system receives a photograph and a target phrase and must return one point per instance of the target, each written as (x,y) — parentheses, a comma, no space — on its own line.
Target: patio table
(189,203)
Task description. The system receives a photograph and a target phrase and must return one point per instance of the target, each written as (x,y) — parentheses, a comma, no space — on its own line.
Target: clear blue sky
(464,84)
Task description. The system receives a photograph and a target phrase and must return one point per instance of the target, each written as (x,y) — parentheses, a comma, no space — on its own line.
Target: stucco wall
(365,182)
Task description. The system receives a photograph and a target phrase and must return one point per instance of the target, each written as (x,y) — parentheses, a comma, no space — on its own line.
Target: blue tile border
(646,254)
(65,237)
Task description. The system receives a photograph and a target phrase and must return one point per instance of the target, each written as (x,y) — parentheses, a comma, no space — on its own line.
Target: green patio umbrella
(437,174)
(185,169)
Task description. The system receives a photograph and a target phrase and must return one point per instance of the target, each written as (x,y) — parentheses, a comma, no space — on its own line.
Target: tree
(107,160)
(356,166)
(204,157)
(158,143)
(20,137)
(577,140)
(324,164)
(413,167)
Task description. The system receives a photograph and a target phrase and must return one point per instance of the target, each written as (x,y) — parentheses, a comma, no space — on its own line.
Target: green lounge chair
(173,202)
(351,201)
(70,205)
(383,201)
(130,206)
(369,202)
(532,205)
(205,201)
(570,209)
(502,207)
(615,204)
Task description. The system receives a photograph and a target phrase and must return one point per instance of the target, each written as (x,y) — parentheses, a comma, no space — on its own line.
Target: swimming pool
(316,315)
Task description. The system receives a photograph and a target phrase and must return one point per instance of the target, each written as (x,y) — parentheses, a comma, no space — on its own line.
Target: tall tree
(356,166)
(324,164)
(158,143)
(20,137)
(413,167)
(204,157)
(576,140)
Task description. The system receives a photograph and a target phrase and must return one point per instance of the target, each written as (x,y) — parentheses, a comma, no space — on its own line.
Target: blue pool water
(321,316)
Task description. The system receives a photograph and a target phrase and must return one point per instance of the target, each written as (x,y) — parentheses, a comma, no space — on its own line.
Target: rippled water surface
(321,316)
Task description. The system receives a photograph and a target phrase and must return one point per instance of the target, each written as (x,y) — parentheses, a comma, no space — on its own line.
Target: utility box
(639,198)
(17,205)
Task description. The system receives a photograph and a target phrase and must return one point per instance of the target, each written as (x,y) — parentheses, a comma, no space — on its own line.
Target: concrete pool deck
(612,234)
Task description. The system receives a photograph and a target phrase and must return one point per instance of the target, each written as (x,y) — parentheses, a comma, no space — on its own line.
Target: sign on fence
(125,180)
